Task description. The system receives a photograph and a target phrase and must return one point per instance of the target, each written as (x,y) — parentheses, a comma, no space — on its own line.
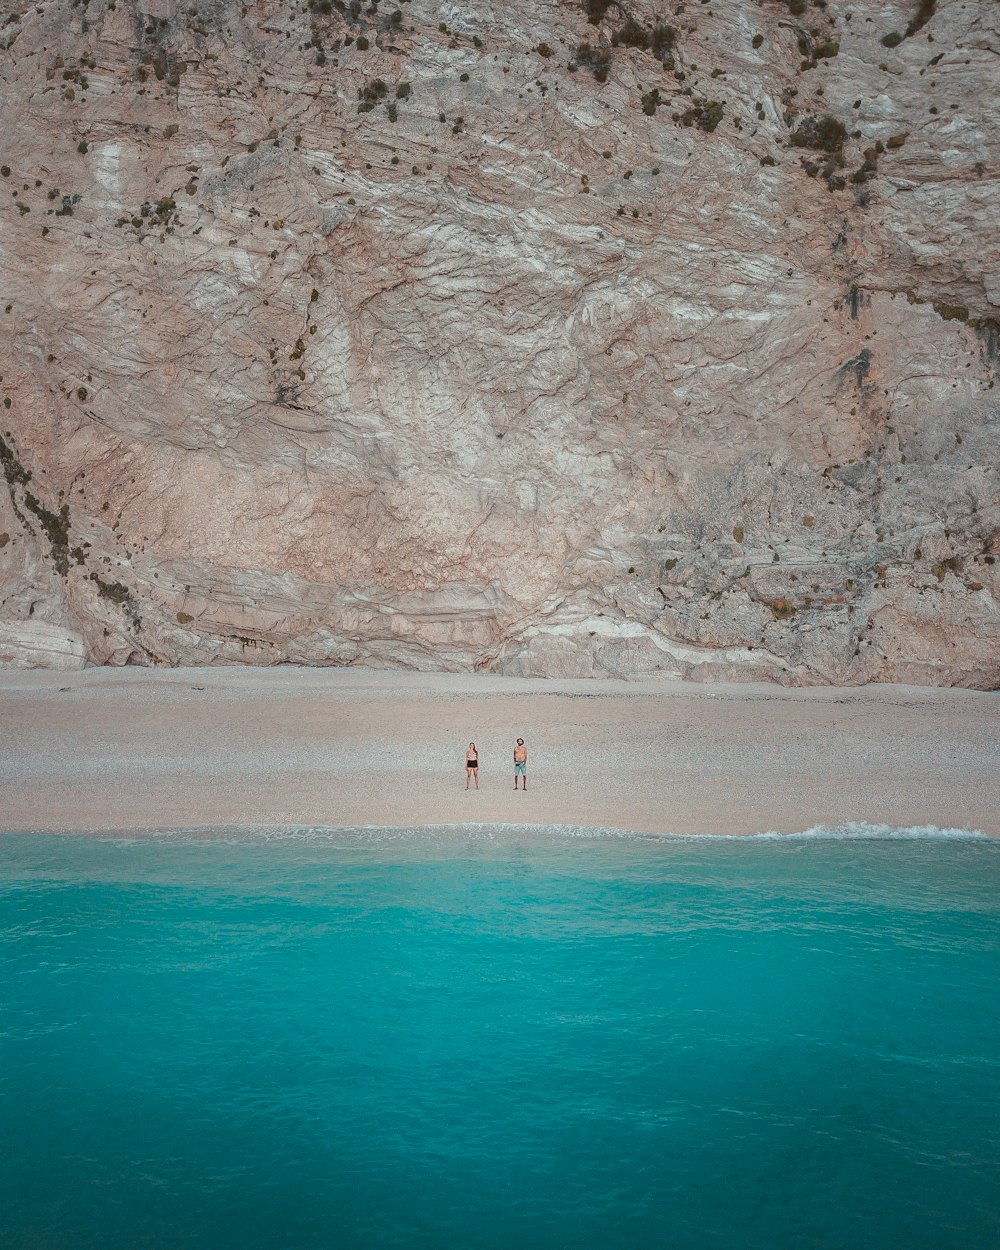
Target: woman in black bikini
(472,765)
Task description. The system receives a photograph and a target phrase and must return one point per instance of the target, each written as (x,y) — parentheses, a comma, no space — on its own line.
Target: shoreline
(337,834)
(133,751)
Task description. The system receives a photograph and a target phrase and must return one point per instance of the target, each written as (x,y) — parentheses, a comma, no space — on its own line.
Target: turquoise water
(513,1038)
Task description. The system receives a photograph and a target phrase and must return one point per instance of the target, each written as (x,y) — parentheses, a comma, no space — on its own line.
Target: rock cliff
(539,337)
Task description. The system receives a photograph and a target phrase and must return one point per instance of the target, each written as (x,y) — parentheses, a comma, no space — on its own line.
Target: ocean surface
(500,1038)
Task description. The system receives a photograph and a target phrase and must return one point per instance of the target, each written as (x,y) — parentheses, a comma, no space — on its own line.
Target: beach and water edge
(295,985)
(298,751)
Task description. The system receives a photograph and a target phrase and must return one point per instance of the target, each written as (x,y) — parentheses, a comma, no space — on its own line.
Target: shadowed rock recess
(576,339)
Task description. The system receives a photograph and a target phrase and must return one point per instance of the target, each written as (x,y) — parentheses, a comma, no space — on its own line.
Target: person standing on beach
(521,764)
(472,765)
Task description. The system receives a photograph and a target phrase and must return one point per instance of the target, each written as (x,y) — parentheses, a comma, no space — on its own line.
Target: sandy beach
(222,748)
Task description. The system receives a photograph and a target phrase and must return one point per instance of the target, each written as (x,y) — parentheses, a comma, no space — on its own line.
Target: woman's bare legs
(474,774)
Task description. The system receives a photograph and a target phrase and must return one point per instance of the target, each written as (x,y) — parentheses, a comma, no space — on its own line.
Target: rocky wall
(541,338)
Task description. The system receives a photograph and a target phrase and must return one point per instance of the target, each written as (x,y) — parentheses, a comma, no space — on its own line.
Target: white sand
(138,749)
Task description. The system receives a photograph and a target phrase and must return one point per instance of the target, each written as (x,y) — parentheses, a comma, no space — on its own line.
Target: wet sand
(224,748)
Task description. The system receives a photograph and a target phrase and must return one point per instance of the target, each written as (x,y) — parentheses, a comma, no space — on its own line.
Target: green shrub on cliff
(370,94)
(596,10)
(597,60)
(706,115)
(824,134)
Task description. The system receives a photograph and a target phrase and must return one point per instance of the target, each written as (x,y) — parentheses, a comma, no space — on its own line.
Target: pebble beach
(216,749)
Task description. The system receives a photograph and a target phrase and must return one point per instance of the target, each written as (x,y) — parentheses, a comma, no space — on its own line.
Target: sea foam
(849,831)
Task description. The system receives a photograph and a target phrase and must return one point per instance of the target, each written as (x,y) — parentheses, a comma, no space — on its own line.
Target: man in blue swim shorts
(521,764)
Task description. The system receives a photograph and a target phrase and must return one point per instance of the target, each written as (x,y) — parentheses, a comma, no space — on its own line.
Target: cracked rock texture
(419,335)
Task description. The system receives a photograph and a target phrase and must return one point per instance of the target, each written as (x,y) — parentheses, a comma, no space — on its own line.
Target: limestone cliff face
(545,338)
